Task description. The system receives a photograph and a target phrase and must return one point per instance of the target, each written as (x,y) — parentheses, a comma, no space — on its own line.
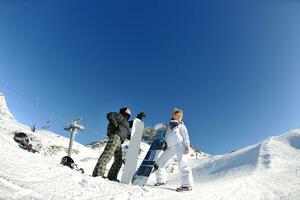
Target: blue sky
(232,66)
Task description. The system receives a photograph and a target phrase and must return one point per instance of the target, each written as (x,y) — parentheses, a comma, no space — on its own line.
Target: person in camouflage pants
(113,148)
(117,132)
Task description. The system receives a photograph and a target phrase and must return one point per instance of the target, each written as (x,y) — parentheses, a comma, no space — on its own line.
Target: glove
(141,116)
(128,136)
(165,146)
(155,168)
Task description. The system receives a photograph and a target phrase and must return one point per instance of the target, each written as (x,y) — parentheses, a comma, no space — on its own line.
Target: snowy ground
(267,170)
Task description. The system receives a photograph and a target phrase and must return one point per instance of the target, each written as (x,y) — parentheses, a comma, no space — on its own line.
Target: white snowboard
(133,151)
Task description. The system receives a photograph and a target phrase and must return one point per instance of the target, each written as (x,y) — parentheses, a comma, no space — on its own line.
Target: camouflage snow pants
(112,148)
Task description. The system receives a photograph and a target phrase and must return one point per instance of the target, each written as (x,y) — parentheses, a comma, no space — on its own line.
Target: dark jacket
(118,125)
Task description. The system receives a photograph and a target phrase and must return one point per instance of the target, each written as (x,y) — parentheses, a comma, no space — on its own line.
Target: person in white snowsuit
(178,144)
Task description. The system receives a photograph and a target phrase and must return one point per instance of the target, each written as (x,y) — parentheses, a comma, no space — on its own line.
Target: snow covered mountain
(5,113)
(268,170)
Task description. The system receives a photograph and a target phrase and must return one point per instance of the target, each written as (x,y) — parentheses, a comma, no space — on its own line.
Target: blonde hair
(178,111)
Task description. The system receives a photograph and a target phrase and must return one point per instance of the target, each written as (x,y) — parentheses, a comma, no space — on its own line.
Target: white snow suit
(177,139)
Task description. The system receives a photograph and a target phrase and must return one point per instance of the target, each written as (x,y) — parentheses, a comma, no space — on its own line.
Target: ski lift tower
(73,126)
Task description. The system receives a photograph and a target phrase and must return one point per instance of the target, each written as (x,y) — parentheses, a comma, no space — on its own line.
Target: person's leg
(185,170)
(115,168)
(162,163)
(110,148)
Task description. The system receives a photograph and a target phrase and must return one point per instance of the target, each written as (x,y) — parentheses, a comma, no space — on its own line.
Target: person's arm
(130,123)
(186,139)
(130,126)
(129,136)
(114,118)
(140,116)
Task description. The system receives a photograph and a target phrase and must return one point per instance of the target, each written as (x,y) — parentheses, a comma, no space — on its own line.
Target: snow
(4,109)
(268,170)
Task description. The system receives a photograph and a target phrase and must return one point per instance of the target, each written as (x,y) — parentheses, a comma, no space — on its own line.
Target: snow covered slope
(5,113)
(267,170)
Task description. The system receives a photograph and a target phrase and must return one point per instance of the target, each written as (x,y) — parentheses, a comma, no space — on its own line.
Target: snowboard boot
(184,189)
(95,176)
(113,179)
(160,184)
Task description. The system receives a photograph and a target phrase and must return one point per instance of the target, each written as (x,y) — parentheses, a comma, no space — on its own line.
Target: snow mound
(275,154)
(4,111)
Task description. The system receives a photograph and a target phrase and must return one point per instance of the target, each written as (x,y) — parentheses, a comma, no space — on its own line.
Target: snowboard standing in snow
(133,151)
(142,174)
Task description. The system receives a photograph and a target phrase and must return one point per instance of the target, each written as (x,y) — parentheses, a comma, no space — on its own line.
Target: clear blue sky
(232,66)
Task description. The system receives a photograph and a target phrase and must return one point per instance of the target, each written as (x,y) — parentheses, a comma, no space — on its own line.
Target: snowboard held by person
(178,144)
(118,131)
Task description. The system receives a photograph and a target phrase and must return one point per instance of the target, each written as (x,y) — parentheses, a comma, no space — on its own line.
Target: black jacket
(118,125)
